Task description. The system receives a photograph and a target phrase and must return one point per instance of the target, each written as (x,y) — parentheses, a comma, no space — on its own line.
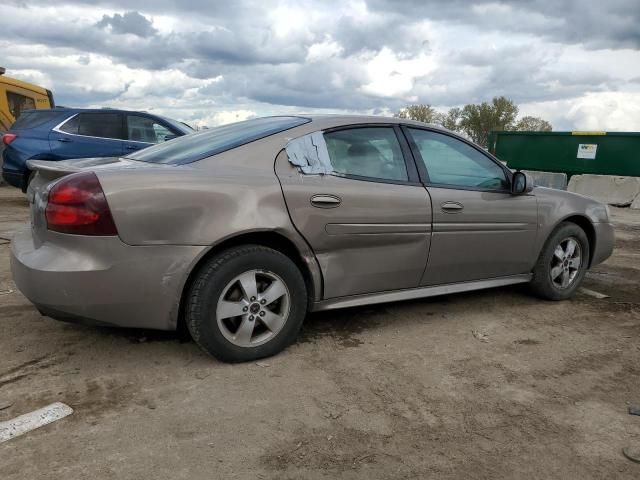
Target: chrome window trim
(57,130)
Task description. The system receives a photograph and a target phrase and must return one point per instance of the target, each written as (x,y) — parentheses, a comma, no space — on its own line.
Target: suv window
(71,125)
(367,152)
(145,129)
(102,125)
(450,161)
(18,103)
(34,118)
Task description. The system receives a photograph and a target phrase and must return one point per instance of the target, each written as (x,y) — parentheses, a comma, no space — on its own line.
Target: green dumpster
(573,153)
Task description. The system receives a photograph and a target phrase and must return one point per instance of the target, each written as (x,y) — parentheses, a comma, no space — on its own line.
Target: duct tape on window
(309,152)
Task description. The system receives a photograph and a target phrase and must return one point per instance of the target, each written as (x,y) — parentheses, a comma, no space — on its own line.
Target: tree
(533,124)
(420,113)
(477,121)
(451,119)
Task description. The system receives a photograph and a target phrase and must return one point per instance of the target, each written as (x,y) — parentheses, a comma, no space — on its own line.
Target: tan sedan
(240,230)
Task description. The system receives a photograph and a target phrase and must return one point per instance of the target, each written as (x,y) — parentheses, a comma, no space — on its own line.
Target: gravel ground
(492,384)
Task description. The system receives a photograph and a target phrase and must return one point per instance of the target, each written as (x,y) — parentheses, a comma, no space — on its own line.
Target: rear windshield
(34,118)
(197,146)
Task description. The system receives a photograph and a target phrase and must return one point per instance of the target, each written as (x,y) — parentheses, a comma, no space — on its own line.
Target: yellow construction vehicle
(17,96)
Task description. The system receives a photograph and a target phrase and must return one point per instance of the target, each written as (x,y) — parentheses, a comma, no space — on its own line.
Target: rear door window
(372,152)
(18,103)
(102,125)
(148,130)
(71,125)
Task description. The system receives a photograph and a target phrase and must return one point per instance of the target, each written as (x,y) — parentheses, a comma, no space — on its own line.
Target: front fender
(557,206)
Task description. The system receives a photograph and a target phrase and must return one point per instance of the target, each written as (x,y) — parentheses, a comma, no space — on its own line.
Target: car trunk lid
(47,171)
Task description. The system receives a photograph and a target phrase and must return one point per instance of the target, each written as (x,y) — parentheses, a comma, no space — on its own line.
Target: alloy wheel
(253,308)
(566,263)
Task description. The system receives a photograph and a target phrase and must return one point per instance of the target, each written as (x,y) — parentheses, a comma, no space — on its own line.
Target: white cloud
(226,116)
(393,76)
(324,50)
(600,111)
(214,62)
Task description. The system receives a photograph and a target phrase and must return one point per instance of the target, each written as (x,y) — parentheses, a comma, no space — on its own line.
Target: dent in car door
(367,236)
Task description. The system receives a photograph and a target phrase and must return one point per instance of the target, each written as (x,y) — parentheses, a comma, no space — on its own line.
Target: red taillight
(7,138)
(77,205)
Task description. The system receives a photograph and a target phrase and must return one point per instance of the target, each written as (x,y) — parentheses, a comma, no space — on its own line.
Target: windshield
(180,126)
(197,146)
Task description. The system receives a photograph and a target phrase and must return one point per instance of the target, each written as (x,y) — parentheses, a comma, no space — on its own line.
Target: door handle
(325,201)
(64,139)
(452,207)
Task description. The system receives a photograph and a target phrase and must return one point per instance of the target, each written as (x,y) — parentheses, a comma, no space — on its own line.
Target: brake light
(7,138)
(77,205)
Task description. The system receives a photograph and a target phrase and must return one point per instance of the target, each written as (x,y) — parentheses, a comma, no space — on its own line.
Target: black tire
(542,284)
(209,285)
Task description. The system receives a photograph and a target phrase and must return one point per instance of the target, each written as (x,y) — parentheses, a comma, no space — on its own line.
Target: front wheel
(246,303)
(562,264)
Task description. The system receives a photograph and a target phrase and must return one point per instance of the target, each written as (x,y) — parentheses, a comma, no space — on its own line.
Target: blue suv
(64,133)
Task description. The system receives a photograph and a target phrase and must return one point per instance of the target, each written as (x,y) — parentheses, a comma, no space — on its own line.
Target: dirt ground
(403,390)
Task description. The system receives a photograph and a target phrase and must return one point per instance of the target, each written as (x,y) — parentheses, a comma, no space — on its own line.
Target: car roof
(183,127)
(351,119)
(94,110)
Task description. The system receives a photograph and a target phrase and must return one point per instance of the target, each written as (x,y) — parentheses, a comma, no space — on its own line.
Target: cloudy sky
(575,63)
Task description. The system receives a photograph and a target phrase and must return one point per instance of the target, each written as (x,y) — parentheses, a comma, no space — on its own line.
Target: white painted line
(30,421)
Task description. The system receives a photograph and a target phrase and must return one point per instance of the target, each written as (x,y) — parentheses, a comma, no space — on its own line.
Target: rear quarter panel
(200,206)
(31,143)
(185,206)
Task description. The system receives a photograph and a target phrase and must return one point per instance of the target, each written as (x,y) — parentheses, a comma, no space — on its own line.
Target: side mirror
(521,183)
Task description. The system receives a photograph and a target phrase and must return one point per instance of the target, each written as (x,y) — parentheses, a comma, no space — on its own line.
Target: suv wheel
(246,303)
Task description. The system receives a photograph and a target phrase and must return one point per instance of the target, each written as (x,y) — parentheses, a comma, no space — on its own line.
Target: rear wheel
(246,303)
(562,264)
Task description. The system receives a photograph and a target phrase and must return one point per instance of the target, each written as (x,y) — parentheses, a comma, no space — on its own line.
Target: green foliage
(533,124)
(476,121)
(451,119)
(420,113)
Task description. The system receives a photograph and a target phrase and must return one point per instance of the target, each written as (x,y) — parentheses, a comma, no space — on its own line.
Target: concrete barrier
(548,179)
(618,191)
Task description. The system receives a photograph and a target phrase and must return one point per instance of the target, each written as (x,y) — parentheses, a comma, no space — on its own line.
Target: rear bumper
(102,281)
(13,172)
(15,179)
(605,238)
